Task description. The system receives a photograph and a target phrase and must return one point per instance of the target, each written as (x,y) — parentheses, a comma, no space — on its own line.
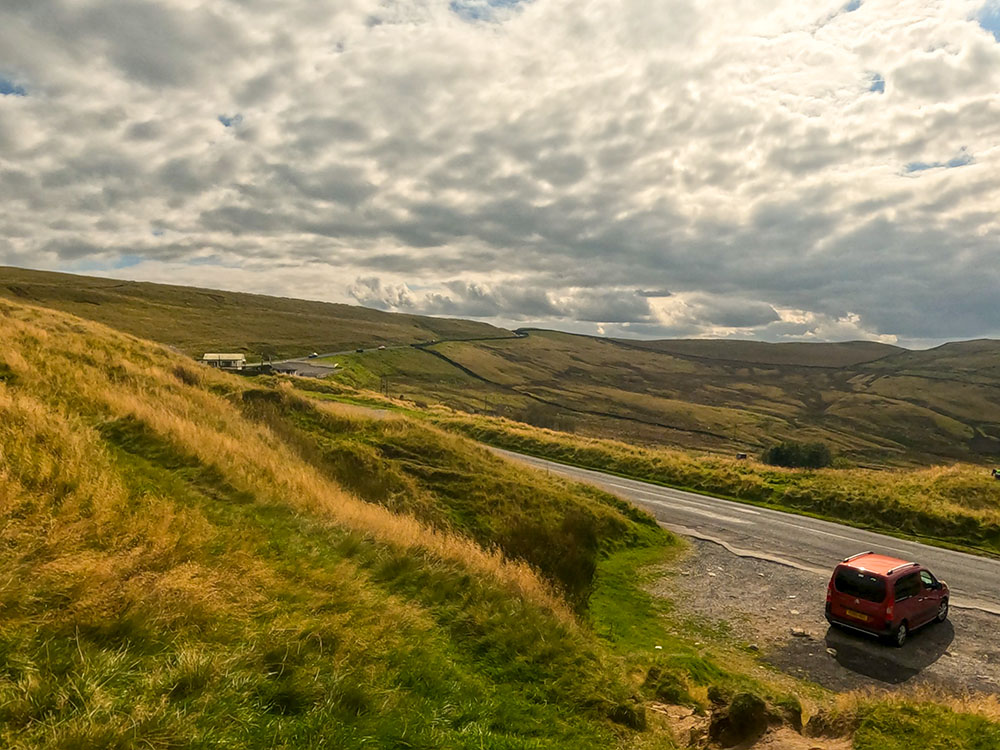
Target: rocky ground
(779,611)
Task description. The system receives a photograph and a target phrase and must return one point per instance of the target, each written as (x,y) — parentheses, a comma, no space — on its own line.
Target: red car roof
(878,564)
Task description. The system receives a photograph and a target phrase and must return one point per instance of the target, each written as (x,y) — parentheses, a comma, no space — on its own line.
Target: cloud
(531,162)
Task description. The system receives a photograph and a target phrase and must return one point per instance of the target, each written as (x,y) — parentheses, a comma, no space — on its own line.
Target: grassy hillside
(957,504)
(202,320)
(195,560)
(182,567)
(871,403)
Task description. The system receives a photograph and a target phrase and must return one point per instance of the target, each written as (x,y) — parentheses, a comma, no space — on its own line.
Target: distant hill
(200,320)
(804,354)
(872,403)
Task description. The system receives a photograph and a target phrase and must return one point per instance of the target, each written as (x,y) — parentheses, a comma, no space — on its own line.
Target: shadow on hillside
(876,660)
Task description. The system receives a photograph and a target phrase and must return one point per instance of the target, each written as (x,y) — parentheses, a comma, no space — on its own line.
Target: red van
(885,596)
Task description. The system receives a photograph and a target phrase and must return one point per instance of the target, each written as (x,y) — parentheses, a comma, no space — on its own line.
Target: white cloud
(539,159)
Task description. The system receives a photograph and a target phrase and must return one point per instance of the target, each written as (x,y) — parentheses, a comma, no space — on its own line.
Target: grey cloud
(573,168)
(150,130)
(732,312)
(610,306)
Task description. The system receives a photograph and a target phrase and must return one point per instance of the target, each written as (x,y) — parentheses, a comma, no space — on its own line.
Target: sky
(786,170)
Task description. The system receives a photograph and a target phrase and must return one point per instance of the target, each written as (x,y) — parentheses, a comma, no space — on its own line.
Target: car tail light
(888,612)
(829,592)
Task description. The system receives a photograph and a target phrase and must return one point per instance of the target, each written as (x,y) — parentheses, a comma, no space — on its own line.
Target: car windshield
(859,584)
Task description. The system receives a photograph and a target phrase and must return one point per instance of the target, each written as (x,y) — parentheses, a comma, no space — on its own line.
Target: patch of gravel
(779,610)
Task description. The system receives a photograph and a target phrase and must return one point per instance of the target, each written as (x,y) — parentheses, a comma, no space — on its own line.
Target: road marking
(682,502)
(709,514)
(681,496)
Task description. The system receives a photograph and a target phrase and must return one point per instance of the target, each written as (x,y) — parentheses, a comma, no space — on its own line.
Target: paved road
(805,543)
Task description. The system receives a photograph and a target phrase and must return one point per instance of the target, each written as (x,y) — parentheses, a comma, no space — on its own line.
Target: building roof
(213,357)
(878,564)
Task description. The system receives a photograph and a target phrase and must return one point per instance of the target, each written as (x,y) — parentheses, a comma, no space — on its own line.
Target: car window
(907,586)
(860,585)
(929,581)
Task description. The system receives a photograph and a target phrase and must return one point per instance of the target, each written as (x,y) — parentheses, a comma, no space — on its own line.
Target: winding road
(801,542)
(769,572)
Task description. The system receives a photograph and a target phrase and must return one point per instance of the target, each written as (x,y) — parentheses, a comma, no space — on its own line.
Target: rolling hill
(202,320)
(191,559)
(873,404)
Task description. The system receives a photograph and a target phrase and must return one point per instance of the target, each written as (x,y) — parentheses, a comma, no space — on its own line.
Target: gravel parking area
(779,609)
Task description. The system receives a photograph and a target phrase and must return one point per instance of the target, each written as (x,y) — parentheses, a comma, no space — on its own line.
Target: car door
(906,605)
(929,597)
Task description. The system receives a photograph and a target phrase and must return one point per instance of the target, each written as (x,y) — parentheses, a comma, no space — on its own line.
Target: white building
(225,361)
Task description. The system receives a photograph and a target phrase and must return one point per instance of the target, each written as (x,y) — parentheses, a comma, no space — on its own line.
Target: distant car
(885,596)
(359,351)
(381,347)
(313,355)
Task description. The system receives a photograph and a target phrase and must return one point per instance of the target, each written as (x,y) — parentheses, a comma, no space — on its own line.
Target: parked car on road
(885,596)
(313,355)
(381,347)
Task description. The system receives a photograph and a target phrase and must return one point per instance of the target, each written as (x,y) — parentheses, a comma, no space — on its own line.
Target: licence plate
(857,615)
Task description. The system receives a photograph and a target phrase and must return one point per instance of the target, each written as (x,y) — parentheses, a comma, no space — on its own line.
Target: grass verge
(957,506)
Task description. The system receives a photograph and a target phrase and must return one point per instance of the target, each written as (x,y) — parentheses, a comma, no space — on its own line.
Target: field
(873,405)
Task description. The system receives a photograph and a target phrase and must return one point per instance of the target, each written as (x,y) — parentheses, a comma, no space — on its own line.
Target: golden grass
(984,705)
(100,374)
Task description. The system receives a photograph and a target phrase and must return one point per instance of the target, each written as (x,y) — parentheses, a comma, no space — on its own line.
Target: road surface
(799,541)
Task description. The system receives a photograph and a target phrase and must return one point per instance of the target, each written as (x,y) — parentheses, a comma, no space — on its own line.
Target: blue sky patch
(876,83)
(989,18)
(229,122)
(963,159)
(127,260)
(9,88)
(852,6)
(481,10)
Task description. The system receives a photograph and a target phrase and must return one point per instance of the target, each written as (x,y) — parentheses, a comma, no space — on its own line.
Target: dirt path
(780,610)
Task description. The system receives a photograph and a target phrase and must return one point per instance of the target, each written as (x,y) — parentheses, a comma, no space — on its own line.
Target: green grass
(558,527)
(905,726)
(671,660)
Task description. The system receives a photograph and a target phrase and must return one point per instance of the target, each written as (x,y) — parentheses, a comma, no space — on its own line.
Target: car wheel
(942,614)
(899,637)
